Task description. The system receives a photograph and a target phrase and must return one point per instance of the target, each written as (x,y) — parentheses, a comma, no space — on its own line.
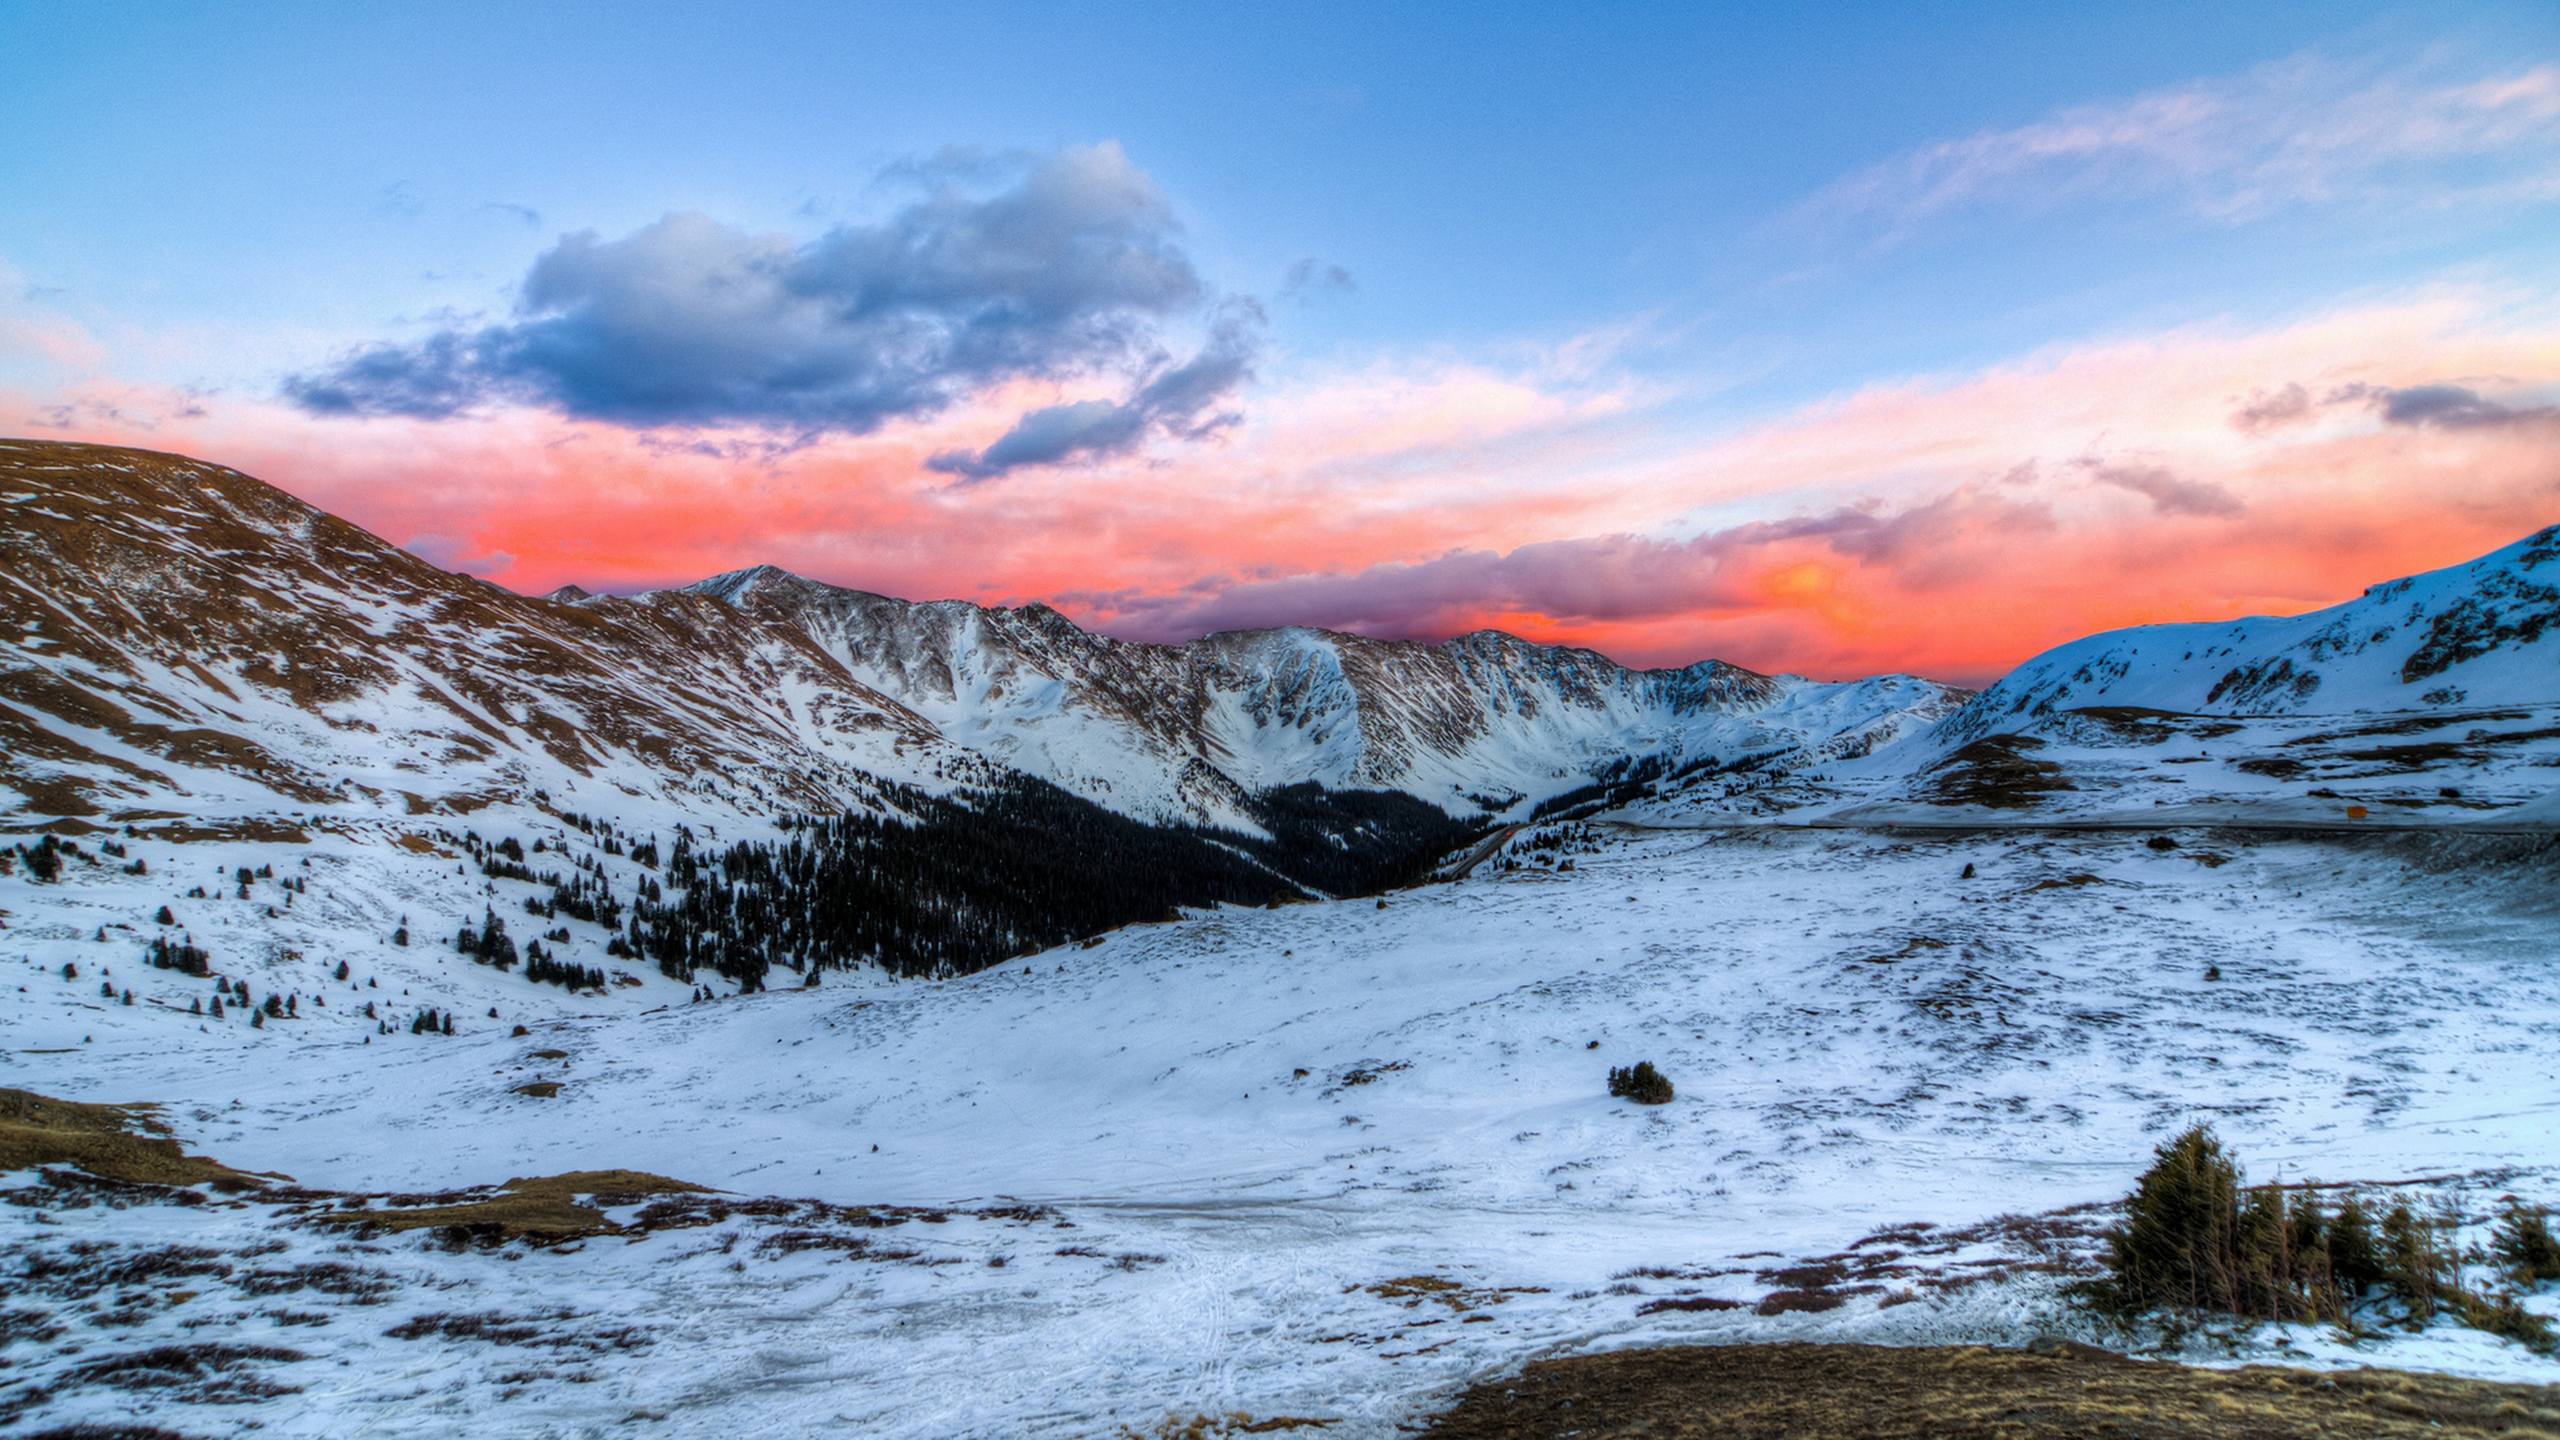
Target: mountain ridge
(729,584)
(184,642)
(291,650)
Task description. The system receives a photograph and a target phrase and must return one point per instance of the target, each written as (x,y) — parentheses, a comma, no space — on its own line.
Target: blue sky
(1483,172)
(1695,221)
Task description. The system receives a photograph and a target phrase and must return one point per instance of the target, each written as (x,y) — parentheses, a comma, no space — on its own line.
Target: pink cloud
(1946,524)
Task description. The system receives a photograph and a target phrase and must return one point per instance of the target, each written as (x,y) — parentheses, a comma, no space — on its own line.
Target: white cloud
(2303,131)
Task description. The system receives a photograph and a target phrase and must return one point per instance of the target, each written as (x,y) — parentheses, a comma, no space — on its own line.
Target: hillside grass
(115,1142)
(1868,1392)
(541,1210)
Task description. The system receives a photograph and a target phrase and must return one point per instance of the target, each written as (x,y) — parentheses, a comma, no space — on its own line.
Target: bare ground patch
(1868,1392)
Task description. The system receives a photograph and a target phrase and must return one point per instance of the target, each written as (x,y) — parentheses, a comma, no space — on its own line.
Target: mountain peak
(736,585)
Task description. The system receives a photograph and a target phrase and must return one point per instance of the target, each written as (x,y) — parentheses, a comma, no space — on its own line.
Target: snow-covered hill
(2427,701)
(2483,634)
(180,643)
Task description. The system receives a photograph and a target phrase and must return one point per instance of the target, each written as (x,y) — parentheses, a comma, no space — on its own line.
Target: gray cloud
(2446,407)
(1184,401)
(2271,409)
(456,554)
(2167,493)
(1606,577)
(435,378)
(524,215)
(399,200)
(689,321)
(1310,277)
(2441,406)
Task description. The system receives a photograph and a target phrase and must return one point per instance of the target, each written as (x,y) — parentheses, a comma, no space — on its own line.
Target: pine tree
(2525,1246)
(2263,1245)
(1641,1083)
(2307,1246)
(2178,1246)
(2355,1261)
(2421,1272)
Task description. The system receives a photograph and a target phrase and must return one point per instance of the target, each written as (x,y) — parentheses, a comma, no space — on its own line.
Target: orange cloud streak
(1949,526)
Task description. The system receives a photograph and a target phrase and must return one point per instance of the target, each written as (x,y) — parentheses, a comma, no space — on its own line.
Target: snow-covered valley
(1198,1150)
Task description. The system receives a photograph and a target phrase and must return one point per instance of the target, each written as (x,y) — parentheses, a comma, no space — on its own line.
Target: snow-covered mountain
(2429,700)
(179,639)
(179,642)
(1483,721)
(2482,634)
(2426,701)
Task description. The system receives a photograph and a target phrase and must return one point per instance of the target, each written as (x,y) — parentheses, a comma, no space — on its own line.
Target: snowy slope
(2483,634)
(1184,1171)
(2428,701)
(1483,721)
(2433,699)
(178,641)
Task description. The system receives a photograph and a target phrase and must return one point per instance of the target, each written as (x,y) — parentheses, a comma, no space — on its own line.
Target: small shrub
(2505,1316)
(1641,1083)
(2524,1245)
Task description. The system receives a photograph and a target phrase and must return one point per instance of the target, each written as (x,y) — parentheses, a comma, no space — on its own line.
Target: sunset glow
(1161,435)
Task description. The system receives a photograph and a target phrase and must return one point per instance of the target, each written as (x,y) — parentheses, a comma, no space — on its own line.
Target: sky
(1831,339)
